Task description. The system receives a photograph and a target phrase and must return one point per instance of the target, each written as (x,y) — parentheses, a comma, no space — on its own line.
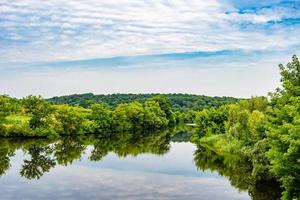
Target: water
(124,166)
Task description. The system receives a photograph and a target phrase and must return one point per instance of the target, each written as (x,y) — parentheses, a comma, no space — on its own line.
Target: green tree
(7,106)
(247,125)
(101,115)
(39,110)
(154,117)
(71,119)
(128,117)
(285,128)
(211,121)
(166,107)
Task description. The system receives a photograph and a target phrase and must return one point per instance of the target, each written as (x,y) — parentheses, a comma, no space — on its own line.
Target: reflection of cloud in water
(137,174)
(178,161)
(77,182)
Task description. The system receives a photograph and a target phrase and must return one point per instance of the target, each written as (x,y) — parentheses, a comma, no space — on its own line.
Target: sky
(212,47)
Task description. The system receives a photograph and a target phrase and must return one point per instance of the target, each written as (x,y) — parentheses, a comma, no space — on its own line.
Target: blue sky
(222,47)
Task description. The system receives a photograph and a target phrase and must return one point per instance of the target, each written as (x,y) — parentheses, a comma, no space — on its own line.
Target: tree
(247,120)
(212,121)
(165,106)
(154,117)
(284,130)
(71,119)
(39,110)
(6,106)
(101,115)
(128,117)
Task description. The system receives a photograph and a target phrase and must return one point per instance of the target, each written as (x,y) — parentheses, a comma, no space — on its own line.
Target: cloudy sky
(212,47)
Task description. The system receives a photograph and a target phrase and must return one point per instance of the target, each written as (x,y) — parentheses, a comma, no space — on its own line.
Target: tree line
(179,102)
(264,131)
(34,116)
(184,106)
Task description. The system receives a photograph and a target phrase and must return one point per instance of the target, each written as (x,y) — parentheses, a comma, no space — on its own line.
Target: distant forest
(179,102)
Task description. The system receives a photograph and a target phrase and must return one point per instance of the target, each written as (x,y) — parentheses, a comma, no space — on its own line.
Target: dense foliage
(179,102)
(35,117)
(264,132)
(87,113)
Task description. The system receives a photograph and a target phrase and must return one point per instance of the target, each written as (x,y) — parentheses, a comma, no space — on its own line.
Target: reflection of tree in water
(125,144)
(45,154)
(39,163)
(7,150)
(156,143)
(183,133)
(239,172)
(4,160)
(68,149)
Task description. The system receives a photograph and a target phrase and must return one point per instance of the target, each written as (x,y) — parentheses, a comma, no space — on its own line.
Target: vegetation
(257,137)
(35,117)
(179,102)
(264,132)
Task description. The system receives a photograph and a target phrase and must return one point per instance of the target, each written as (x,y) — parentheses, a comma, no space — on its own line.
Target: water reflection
(155,165)
(45,154)
(238,170)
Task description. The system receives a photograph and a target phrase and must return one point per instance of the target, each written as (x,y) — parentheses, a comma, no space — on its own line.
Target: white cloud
(57,29)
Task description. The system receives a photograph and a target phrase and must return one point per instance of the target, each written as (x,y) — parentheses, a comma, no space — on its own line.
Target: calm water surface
(121,167)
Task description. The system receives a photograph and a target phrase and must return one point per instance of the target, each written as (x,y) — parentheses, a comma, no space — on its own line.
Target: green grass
(18,119)
(212,139)
(220,144)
